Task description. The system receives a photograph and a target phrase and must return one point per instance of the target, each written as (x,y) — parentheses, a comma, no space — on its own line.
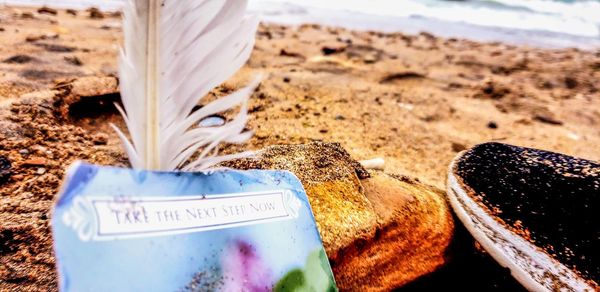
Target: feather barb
(175,52)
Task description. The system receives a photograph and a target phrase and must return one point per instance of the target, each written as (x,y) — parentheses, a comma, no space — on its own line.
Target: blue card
(119,229)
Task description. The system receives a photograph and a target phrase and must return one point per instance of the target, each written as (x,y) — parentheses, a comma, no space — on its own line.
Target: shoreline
(294,15)
(439,28)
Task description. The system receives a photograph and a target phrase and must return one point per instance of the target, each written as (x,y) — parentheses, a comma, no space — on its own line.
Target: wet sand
(415,100)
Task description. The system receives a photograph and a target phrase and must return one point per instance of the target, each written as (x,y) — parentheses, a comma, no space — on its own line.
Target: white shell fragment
(375,163)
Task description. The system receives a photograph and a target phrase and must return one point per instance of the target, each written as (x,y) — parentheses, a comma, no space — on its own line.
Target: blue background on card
(169,262)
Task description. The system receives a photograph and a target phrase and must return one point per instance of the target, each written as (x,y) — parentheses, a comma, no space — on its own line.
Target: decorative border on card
(108,218)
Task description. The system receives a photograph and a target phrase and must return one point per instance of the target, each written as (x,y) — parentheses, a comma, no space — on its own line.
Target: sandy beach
(414,100)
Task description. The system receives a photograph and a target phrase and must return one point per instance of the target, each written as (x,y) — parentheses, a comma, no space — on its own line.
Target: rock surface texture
(380,231)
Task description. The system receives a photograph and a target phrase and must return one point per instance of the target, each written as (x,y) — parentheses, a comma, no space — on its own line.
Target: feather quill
(175,52)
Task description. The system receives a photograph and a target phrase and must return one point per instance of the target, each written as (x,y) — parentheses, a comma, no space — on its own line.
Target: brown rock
(35,38)
(494,90)
(571,82)
(288,53)
(333,48)
(370,58)
(19,59)
(380,232)
(457,147)
(95,13)
(414,231)
(54,48)
(547,119)
(100,139)
(47,10)
(35,161)
(72,12)
(403,75)
(73,60)
(27,15)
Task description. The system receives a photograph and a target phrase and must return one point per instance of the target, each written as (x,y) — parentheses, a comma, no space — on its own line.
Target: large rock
(331,180)
(413,235)
(380,231)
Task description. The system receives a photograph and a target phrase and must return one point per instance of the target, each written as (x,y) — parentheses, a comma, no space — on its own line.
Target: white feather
(175,52)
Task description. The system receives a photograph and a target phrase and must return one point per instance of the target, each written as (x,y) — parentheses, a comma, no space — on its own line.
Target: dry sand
(415,100)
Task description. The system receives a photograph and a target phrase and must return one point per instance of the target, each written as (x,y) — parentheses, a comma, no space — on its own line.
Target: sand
(415,100)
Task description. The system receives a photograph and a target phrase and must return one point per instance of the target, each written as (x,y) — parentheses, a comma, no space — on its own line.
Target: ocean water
(545,23)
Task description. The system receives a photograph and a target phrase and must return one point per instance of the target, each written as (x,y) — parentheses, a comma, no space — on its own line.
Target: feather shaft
(152,83)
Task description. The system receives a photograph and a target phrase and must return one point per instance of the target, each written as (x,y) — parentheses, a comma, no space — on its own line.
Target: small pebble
(331,50)
(571,82)
(573,136)
(27,15)
(547,119)
(35,161)
(100,139)
(406,106)
(457,147)
(375,163)
(212,121)
(18,59)
(370,59)
(47,10)
(95,13)
(41,171)
(111,25)
(492,125)
(23,151)
(73,61)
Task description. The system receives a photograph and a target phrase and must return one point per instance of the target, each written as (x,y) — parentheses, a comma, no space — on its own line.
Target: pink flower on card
(244,270)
